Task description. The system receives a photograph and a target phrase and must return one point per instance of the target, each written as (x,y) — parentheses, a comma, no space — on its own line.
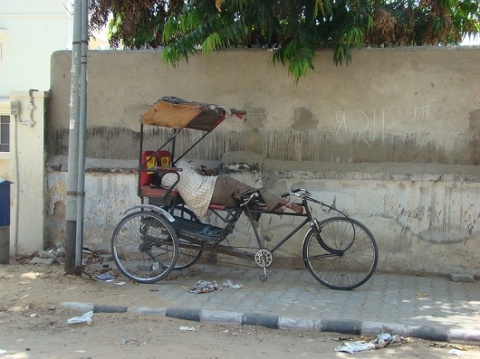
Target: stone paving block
(461,277)
(449,312)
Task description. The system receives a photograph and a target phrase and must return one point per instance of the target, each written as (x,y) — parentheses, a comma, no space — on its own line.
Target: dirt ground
(33,325)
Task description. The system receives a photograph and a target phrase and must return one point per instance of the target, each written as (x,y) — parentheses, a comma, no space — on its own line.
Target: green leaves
(295,29)
(298,57)
(212,43)
(341,53)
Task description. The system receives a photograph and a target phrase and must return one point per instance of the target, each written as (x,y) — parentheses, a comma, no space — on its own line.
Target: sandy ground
(33,324)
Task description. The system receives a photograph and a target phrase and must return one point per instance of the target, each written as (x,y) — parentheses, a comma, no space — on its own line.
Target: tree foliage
(294,29)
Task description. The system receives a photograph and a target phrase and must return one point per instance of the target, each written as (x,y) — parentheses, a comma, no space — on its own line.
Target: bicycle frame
(233,215)
(161,234)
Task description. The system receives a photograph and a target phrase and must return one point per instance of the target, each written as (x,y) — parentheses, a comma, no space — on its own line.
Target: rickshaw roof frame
(176,113)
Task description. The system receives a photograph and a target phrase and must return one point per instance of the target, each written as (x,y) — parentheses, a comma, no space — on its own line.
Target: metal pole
(72,176)
(82,125)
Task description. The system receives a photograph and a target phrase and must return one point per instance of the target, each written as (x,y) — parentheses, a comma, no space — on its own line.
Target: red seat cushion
(156,192)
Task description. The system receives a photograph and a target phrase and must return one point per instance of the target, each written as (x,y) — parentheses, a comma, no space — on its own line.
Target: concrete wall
(393,139)
(388,105)
(424,221)
(28,173)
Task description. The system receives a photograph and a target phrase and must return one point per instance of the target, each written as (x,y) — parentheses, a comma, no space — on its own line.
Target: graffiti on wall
(378,123)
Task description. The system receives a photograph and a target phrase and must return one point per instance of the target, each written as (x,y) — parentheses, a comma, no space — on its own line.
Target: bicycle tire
(342,254)
(144,246)
(189,253)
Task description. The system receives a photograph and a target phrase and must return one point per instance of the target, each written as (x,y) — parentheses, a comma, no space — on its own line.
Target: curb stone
(351,327)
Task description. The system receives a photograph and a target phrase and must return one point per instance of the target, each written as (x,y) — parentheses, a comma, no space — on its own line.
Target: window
(4,133)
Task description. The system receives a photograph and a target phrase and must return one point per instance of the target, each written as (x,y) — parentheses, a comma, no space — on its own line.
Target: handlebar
(246,200)
(305,196)
(295,192)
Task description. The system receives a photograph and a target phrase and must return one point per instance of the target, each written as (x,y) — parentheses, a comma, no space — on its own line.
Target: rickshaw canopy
(173,112)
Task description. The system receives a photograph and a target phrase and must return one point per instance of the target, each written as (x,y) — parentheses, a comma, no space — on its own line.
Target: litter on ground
(381,341)
(203,286)
(85,318)
(231,284)
(187,329)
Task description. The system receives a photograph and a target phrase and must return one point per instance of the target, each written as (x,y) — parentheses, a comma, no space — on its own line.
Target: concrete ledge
(342,326)
(145,310)
(385,171)
(461,277)
(187,314)
(352,327)
(221,315)
(80,306)
(371,328)
(298,324)
(464,335)
(109,309)
(427,333)
(267,321)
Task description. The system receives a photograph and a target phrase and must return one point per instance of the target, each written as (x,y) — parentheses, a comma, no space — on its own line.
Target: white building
(30,31)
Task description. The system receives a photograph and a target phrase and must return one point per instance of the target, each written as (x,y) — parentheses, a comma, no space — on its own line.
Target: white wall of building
(30,31)
(28,173)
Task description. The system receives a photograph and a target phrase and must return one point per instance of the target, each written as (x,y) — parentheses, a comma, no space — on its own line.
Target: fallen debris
(108,277)
(231,284)
(44,261)
(203,286)
(187,329)
(381,341)
(85,318)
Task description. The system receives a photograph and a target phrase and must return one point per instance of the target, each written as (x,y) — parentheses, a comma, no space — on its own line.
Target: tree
(133,23)
(295,29)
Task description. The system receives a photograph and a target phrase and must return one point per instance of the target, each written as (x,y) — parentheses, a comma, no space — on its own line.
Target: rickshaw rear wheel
(144,247)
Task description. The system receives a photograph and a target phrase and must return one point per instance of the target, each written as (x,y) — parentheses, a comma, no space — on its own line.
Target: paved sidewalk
(433,308)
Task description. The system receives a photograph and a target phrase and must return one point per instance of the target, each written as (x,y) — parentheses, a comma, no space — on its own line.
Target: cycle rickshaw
(161,234)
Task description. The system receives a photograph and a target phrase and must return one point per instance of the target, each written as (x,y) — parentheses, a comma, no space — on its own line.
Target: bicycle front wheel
(144,246)
(342,254)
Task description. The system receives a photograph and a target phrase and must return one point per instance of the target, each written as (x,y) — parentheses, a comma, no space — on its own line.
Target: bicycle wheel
(342,255)
(189,253)
(144,247)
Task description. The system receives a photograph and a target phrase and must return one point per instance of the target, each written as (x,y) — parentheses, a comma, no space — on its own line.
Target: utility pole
(73,193)
(82,134)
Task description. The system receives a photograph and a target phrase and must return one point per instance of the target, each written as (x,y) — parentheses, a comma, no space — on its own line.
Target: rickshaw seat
(156,192)
(219,207)
(149,160)
(147,190)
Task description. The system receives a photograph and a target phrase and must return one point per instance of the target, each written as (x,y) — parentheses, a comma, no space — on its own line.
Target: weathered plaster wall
(388,105)
(393,139)
(423,221)
(28,173)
